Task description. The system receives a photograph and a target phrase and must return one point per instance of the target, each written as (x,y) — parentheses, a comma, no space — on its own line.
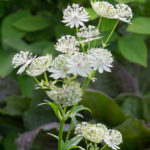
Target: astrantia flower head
(88,33)
(113,138)
(67,44)
(104,9)
(124,13)
(92,132)
(23,59)
(100,59)
(39,65)
(75,16)
(78,65)
(69,95)
(59,67)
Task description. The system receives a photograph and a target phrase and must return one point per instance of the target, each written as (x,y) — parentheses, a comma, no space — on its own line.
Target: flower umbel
(39,65)
(92,132)
(23,59)
(78,64)
(89,33)
(124,13)
(59,67)
(67,44)
(69,95)
(104,9)
(75,16)
(113,138)
(100,59)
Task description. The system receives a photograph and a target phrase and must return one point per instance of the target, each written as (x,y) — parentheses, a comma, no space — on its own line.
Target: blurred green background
(120,99)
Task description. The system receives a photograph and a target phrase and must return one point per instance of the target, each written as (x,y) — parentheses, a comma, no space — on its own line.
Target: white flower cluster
(104,9)
(69,95)
(58,67)
(100,59)
(75,16)
(67,44)
(89,33)
(22,59)
(81,64)
(92,132)
(39,65)
(97,133)
(113,138)
(32,65)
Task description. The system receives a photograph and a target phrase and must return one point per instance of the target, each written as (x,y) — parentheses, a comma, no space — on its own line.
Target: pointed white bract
(92,132)
(67,44)
(121,11)
(68,95)
(22,59)
(113,138)
(100,59)
(124,13)
(75,16)
(59,67)
(104,9)
(88,34)
(78,64)
(39,65)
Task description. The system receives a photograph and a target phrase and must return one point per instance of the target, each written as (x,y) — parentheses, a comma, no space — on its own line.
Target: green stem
(104,147)
(86,142)
(61,126)
(88,45)
(36,80)
(88,81)
(98,27)
(82,45)
(84,82)
(105,44)
(68,134)
(46,79)
(95,145)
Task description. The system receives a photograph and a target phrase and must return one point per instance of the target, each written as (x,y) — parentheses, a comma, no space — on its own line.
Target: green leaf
(73,113)
(5,63)
(9,141)
(8,31)
(146,99)
(16,44)
(132,105)
(140,25)
(73,142)
(102,107)
(134,133)
(31,23)
(92,14)
(129,1)
(54,107)
(16,106)
(133,48)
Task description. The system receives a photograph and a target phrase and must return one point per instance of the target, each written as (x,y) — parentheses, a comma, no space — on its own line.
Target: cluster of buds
(98,133)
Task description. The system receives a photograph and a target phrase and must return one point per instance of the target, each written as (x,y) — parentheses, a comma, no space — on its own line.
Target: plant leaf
(31,23)
(140,25)
(102,107)
(133,48)
(73,142)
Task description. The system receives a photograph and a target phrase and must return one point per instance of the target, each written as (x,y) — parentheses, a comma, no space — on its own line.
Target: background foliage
(120,99)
